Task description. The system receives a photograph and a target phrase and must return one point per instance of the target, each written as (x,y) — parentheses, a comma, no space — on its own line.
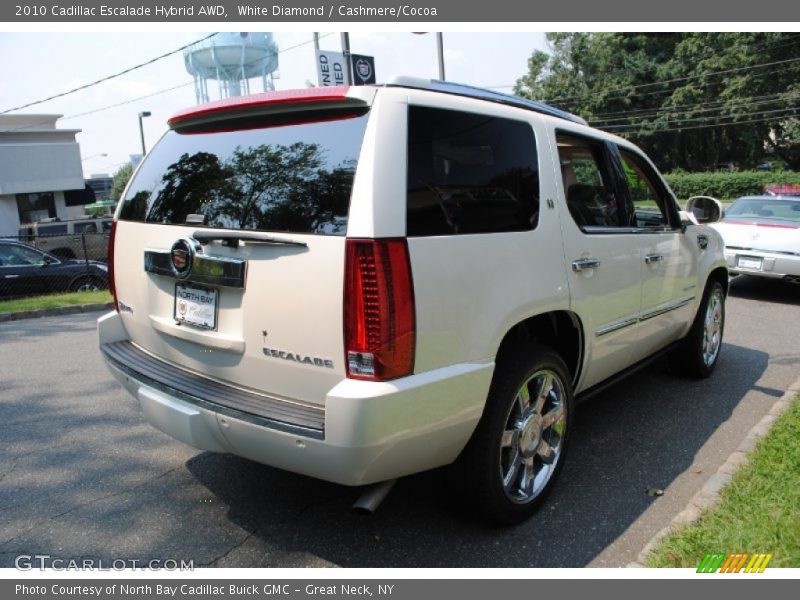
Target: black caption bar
(465,11)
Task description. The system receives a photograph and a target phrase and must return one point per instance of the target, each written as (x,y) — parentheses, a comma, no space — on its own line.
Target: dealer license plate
(749,262)
(196,306)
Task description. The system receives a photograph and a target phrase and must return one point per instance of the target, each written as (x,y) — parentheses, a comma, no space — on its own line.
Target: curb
(709,494)
(56,312)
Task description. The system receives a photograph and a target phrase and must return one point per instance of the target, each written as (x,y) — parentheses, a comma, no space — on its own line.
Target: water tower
(232,59)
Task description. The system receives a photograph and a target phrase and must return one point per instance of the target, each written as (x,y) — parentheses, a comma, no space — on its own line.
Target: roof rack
(459,89)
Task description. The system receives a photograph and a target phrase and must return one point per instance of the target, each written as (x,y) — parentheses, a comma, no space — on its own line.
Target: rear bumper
(773,265)
(367,431)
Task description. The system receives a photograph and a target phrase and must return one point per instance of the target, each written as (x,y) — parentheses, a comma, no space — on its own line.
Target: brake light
(379,321)
(111,286)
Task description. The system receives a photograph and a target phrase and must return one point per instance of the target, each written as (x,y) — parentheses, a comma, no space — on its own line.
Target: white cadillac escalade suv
(361,283)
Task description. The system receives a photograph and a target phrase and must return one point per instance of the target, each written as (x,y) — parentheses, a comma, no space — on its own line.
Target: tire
(698,353)
(87,284)
(517,451)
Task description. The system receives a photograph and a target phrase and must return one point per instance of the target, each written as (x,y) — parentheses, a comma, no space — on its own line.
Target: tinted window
(647,194)
(45,230)
(12,255)
(293,177)
(588,188)
(470,173)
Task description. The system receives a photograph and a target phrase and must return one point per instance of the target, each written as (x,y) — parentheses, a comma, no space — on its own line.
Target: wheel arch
(719,274)
(560,330)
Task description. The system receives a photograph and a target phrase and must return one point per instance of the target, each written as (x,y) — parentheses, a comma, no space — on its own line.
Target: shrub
(726,186)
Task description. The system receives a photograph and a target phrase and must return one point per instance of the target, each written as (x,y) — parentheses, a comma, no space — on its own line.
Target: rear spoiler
(284,101)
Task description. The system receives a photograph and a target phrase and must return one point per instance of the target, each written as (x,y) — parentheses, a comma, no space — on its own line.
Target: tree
(121,178)
(691,100)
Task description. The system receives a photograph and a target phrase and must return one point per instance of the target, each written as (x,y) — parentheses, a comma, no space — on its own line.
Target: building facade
(40,171)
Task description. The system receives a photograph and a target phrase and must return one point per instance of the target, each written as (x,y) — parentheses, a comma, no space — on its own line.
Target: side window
(15,256)
(588,187)
(469,173)
(649,199)
(48,230)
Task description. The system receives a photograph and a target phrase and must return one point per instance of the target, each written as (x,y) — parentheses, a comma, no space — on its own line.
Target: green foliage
(120,180)
(759,511)
(671,92)
(726,185)
(54,301)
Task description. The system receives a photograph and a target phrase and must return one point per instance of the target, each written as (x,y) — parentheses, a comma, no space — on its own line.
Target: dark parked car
(26,271)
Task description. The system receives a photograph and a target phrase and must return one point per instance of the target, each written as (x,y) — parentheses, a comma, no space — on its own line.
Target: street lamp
(144,113)
(439,50)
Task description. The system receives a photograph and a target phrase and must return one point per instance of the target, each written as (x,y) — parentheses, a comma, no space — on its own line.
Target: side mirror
(704,209)
(48,260)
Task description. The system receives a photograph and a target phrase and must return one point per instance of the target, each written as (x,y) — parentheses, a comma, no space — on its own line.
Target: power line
(695,127)
(156,93)
(109,77)
(676,80)
(669,111)
(778,113)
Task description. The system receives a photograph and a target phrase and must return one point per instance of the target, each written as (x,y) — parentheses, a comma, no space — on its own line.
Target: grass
(54,301)
(759,511)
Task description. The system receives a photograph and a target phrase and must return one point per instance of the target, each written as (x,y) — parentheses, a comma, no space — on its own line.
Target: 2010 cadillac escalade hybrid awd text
(362,283)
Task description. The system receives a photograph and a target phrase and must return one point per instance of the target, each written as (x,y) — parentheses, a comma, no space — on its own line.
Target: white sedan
(762,237)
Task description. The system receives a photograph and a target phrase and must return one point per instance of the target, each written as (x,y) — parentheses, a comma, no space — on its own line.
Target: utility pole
(346,54)
(316,41)
(440,53)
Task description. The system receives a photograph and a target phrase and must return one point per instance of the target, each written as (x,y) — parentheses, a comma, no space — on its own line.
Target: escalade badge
(182,253)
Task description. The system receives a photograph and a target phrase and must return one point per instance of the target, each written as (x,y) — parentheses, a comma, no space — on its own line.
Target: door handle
(649,259)
(11,276)
(584,264)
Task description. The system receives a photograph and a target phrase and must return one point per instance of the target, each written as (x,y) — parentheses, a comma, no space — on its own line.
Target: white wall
(9,215)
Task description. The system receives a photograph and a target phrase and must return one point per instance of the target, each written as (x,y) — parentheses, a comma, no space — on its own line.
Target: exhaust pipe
(371,498)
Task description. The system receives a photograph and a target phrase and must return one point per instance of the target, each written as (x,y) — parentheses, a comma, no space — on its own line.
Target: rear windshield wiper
(232,239)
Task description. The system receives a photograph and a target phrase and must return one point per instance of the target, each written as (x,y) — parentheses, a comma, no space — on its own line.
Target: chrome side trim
(211,270)
(665,309)
(606,329)
(237,403)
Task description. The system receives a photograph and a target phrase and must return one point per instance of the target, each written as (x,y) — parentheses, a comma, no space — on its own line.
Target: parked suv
(86,239)
(362,283)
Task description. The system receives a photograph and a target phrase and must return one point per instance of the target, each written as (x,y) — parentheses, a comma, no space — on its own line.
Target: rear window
(292,177)
(470,173)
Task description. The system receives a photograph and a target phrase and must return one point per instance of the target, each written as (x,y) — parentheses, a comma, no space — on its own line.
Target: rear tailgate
(230,248)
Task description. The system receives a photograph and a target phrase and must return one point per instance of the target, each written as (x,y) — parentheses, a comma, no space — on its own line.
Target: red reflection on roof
(311,94)
(760,224)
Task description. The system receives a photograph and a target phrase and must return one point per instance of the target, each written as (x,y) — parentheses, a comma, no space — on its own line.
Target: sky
(38,65)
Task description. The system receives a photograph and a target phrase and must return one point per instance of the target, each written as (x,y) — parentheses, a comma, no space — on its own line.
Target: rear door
(229,247)
(602,253)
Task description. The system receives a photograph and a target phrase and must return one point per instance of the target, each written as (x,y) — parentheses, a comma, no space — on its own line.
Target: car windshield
(766,210)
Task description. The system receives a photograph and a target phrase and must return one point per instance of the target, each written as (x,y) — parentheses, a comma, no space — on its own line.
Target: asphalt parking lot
(83,476)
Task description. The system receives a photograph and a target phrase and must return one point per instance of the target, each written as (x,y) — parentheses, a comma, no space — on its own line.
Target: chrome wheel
(533,439)
(712,327)
(90,285)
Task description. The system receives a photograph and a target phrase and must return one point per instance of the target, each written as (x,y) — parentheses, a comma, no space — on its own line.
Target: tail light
(379,324)
(111,285)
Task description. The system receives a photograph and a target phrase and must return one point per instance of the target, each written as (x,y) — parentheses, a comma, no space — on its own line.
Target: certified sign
(331,68)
